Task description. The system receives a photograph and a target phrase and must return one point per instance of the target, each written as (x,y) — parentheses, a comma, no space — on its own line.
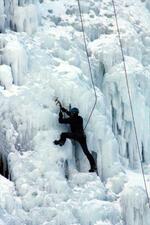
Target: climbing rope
(130,101)
(89,63)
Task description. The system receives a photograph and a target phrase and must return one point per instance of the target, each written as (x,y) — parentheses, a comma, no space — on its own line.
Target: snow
(42,57)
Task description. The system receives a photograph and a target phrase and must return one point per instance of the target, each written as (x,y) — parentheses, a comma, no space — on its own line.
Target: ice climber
(77,133)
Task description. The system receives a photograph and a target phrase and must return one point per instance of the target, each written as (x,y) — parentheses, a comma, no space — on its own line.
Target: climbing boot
(92,170)
(58,142)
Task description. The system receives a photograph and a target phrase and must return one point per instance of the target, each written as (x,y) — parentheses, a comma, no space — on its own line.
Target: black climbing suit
(77,133)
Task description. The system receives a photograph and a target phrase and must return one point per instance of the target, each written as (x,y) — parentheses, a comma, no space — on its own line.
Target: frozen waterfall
(42,57)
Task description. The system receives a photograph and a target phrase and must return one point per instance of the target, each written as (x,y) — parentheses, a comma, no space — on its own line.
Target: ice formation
(2,16)
(42,56)
(25,19)
(15,56)
(5,76)
(135,206)
(20,15)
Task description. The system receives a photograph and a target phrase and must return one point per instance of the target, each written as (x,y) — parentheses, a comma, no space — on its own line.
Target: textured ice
(51,185)
(148,4)
(2,17)
(26,19)
(15,56)
(5,76)
(135,206)
(19,15)
(120,114)
(9,203)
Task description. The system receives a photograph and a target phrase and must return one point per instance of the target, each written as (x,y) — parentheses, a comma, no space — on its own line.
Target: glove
(63,109)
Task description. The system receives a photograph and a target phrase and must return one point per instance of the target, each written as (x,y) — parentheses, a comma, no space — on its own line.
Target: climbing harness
(130,101)
(89,63)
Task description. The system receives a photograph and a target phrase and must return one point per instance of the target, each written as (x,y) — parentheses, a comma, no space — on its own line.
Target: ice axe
(58,102)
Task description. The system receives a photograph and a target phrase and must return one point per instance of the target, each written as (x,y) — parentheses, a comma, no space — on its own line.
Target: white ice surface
(49,61)
(5,76)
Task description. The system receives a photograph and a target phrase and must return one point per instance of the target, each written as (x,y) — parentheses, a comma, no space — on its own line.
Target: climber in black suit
(77,133)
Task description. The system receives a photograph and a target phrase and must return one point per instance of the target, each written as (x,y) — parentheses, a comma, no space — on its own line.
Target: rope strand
(89,63)
(130,101)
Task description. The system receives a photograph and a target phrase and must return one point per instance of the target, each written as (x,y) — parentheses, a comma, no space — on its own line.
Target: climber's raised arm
(65,111)
(63,120)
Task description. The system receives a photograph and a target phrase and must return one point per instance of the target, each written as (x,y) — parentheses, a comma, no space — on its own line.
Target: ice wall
(22,16)
(135,206)
(110,77)
(57,67)
(148,4)
(5,76)
(2,17)
(120,113)
(14,56)
(9,202)
(25,19)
